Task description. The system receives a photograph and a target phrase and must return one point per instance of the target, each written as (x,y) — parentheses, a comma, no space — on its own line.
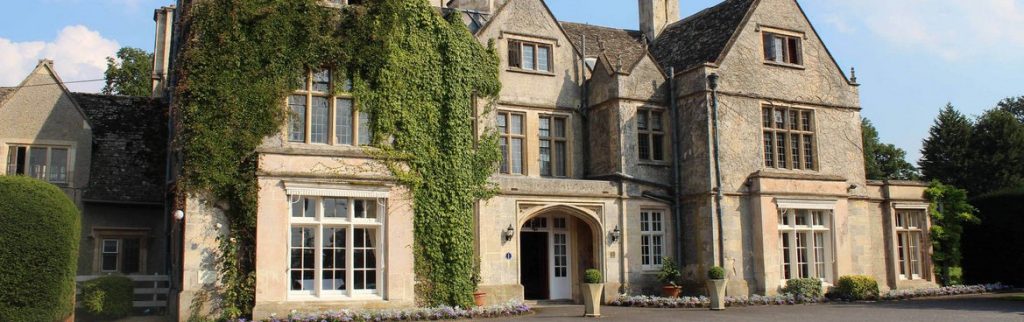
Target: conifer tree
(944,156)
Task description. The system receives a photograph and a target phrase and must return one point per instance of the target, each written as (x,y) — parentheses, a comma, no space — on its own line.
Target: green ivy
(419,75)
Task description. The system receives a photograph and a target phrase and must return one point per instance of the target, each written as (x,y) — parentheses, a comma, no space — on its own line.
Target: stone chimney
(655,15)
(164,18)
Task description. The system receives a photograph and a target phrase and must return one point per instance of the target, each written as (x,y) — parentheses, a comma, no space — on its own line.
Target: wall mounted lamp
(616,234)
(509,233)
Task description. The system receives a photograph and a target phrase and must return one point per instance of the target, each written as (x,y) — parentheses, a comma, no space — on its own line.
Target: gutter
(713,85)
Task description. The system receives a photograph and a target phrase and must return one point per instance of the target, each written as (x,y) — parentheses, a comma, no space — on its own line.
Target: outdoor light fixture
(179,215)
(509,233)
(713,81)
(616,234)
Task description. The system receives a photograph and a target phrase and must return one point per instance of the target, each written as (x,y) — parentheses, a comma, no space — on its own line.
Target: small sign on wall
(508,256)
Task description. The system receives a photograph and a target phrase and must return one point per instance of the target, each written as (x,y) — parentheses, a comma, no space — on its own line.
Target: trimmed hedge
(808,288)
(855,288)
(39,231)
(109,296)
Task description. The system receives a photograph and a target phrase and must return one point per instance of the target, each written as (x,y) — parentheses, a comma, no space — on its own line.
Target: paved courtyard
(988,307)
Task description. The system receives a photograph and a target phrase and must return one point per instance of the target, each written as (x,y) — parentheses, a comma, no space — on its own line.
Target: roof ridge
(597,26)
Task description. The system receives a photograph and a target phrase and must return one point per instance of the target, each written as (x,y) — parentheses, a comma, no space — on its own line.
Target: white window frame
(816,221)
(116,252)
(652,232)
(911,225)
(318,222)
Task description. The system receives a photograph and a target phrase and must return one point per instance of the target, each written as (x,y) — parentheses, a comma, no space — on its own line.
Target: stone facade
(637,116)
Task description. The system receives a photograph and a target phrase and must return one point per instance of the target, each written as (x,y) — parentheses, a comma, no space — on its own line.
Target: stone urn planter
(716,288)
(592,291)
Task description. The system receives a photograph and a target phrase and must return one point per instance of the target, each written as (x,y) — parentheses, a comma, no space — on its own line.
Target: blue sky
(912,56)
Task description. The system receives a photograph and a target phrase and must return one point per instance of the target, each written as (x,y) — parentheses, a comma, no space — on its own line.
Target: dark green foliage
(855,288)
(808,288)
(884,161)
(130,73)
(950,211)
(592,276)
(669,273)
(39,231)
(1014,105)
(946,152)
(716,273)
(416,73)
(108,297)
(992,250)
(996,153)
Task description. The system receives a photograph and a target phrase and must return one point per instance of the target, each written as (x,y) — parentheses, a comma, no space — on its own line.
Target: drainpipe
(584,107)
(713,85)
(677,180)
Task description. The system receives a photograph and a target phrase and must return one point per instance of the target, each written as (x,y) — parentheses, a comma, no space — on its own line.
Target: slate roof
(129,136)
(700,38)
(615,44)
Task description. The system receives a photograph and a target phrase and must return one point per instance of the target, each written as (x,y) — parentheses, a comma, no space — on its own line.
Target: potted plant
(479,298)
(668,276)
(716,288)
(592,289)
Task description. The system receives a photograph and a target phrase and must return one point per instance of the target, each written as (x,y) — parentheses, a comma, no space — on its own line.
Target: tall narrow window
(320,120)
(782,49)
(111,249)
(910,227)
(365,123)
(529,56)
(652,234)
(805,244)
(511,128)
(297,117)
(788,138)
(650,135)
(343,121)
(553,148)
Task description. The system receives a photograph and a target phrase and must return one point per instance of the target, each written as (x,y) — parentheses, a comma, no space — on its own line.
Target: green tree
(1014,105)
(130,73)
(949,211)
(884,161)
(996,153)
(945,153)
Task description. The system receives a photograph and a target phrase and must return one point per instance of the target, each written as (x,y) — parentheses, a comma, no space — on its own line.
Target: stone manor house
(729,138)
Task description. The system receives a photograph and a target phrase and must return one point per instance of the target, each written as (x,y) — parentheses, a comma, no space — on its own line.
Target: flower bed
(789,299)
(418,314)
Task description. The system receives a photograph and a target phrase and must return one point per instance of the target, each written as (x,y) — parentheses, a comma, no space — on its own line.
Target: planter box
(592,299)
(716,291)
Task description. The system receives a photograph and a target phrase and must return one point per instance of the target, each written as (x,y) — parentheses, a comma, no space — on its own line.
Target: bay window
(805,244)
(335,246)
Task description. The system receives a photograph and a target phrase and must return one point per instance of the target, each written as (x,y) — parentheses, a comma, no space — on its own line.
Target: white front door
(561,283)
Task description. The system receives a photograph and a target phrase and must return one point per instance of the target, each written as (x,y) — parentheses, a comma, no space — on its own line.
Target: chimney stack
(655,15)
(164,18)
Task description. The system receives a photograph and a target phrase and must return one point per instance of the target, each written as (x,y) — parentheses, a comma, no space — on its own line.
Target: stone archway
(556,245)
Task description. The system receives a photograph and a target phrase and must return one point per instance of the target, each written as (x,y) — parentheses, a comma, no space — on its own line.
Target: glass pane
(365,208)
(559,128)
(801,255)
(808,152)
(37,162)
(793,124)
(656,221)
(560,159)
(517,156)
(766,118)
(528,56)
(801,217)
(58,165)
(778,44)
(544,127)
(365,123)
(109,262)
(320,120)
(542,58)
(502,123)
(786,260)
(517,124)
(794,147)
(656,121)
(780,141)
(110,245)
(335,207)
(503,142)
(658,146)
(297,115)
(769,150)
(545,158)
(16,160)
(131,256)
(322,80)
(644,146)
(343,121)
(645,249)
(805,118)
(780,119)
(641,120)
(645,222)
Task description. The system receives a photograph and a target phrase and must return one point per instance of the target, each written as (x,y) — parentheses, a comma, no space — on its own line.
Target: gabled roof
(128,155)
(616,45)
(47,65)
(702,37)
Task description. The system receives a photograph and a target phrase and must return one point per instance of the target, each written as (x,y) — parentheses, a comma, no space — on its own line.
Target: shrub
(716,273)
(808,288)
(855,287)
(669,273)
(108,296)
(39,231)
(592,276)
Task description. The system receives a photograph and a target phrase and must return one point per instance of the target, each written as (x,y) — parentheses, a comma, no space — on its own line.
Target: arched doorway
(555,248)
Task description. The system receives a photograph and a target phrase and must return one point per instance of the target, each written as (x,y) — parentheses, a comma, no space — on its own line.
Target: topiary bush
(808,288)
(855,288)
(108,297)
(592,276)
(39,231)
(669,273)
(716,273)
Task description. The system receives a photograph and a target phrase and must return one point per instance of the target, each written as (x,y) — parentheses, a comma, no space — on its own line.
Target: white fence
(151,291)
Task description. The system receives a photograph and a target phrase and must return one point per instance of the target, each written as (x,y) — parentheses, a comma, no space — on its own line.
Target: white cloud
(78,54)
(951,29)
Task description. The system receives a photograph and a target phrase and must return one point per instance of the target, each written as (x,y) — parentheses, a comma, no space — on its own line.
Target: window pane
(130,256)
(794,51)
(542,58)
(333,259)
(656,121)
(297,115)
(779,46)
(780,119)
(781,146)
(658,146)
(302,258)
(786,261)
(559,128)
(109,262)
(644,146)
(517,156)
(544,127)
(343,121)
(560,158)
(645,249)
(58,165)
(304,208)
(37,162)
(801,255)
(809,152)
(819,255)
(794,123)
(320,120)
(514,53)
(365,134)
(502,123)
(766,118)
(794,147)
(641,120)
(769,48)
(322,81)
(365,208)
(769,150)
(805,120)
(528,57)
(545,157)
(901,241)
(335,208)
(517,124)
(503,142)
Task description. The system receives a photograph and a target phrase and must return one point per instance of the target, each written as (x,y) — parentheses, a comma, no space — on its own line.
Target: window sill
(301,297)
(786,65)
(654,163)
(530,71)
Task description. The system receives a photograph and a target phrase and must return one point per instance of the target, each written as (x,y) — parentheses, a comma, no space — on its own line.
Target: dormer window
(529,56)
(783,49)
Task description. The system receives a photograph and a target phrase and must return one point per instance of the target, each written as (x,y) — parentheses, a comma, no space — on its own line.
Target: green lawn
(1018,298)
